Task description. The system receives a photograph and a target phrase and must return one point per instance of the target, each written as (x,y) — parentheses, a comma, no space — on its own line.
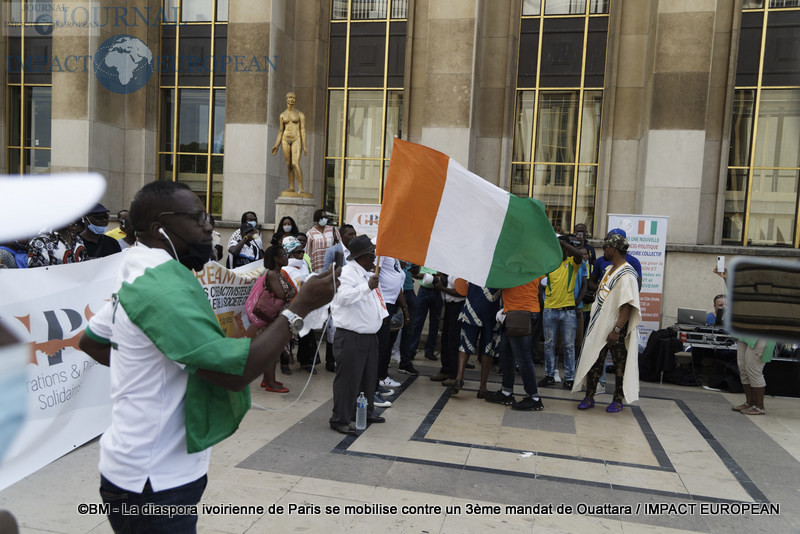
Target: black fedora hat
(359,246)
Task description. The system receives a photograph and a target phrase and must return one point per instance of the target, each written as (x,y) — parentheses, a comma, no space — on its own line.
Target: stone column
(93,128)
(442,76)
(246,185)
(669,89)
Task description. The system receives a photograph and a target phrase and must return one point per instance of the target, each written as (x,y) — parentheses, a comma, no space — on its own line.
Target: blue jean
(517,353)
(407,333)
(141,523)
(563,322)
(428,301)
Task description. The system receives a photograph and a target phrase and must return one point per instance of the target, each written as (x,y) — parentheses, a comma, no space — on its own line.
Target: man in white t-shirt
(178,385)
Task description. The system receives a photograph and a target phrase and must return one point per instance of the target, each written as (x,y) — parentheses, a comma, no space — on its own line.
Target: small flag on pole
(438,214)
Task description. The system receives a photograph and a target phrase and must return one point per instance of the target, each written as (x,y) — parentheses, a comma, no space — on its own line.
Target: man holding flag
(432,199)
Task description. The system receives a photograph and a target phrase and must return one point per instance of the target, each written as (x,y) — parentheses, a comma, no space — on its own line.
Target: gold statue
(292,139)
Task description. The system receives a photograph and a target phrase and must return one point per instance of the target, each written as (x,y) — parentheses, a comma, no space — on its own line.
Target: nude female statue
(292,139)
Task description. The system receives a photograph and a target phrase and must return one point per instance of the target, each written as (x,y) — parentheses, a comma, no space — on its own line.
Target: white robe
(620,288)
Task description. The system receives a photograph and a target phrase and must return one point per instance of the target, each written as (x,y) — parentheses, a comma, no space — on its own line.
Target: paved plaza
(679,461)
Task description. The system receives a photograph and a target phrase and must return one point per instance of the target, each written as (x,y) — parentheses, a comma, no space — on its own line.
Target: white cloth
(355,306)
(451,281)
(615,289)
(147,436)
(297,270)
(391,279)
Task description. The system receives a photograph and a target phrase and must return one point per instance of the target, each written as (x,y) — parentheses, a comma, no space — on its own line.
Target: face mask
(97,229)
(287,228)
(323,221)
(199,253)
(252,223)
(298,264)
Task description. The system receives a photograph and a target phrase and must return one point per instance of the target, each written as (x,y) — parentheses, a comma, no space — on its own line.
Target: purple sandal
(586,403)
(614,407)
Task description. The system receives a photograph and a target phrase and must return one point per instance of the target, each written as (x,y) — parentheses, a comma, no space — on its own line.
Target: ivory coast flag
(438,214)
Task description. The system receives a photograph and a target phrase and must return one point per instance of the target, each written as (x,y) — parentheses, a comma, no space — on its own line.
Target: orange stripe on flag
(414,186)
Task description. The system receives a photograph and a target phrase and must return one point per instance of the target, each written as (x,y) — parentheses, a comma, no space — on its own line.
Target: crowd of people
(84,239)
(179,385)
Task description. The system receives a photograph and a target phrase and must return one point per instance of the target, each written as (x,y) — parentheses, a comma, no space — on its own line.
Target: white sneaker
(389,382)
(557,377)
(380,402)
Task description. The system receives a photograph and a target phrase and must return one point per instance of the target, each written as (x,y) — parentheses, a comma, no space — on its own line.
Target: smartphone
(720,264)
(338,258)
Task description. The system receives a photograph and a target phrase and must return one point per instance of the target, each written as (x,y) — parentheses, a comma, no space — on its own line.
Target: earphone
(162,232)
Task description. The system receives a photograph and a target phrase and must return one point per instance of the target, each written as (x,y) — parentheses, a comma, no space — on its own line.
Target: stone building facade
(689,109)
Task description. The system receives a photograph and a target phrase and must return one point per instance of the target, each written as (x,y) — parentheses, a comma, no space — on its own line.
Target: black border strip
(664,463)
(534,476)
(658,451)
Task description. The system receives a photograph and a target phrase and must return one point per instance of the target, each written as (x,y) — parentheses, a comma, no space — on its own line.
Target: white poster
(68,400)
(647,236)
(364,218)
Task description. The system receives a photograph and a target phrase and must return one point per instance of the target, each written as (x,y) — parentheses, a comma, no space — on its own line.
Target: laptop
(689,316)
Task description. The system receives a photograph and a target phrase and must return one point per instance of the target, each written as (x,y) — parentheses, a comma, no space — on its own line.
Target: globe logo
(123,64)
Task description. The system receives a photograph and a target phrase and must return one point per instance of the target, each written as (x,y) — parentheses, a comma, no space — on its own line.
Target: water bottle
(361,412)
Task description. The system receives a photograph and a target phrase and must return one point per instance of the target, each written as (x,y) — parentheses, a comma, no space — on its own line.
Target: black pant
(386,339)
(450,337)
(307,348)
(356,371)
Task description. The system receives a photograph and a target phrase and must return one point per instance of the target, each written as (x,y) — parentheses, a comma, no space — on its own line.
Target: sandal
(754,410)
(279,390)
(586,403)
(264,384)
(614,407)
(740,407)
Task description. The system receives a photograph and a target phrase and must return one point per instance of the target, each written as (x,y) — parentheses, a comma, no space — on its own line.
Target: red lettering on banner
(650,305)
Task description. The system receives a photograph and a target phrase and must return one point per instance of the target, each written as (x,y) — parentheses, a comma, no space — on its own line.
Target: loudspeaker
(783,378)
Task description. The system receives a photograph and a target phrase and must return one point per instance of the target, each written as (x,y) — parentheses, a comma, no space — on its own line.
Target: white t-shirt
(147,436)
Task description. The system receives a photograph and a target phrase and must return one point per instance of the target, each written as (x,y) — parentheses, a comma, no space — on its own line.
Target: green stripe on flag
(653,227)
(527,246)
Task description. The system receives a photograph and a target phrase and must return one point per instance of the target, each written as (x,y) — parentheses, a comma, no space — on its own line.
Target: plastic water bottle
(361,412)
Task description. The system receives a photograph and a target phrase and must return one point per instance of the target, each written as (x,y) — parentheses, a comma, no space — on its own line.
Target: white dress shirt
(391,278)
(356,307)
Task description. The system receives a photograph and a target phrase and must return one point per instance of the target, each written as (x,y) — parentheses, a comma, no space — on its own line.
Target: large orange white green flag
(438,214)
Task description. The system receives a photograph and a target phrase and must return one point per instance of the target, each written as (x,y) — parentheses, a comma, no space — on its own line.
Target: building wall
(666,113)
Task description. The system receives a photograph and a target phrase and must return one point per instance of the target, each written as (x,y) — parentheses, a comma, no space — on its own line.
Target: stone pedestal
(300,209)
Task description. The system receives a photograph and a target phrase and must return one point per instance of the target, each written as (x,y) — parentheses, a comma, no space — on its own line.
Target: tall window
(761,196)
(29,27)
(192,89)
(562,55)
(365,98)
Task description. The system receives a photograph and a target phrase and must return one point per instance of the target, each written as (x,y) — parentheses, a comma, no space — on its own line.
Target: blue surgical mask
(287,228)
(323,221)
(99,230)
(252,223)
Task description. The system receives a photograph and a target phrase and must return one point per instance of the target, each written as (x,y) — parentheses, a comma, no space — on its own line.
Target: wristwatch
(617,329)
(295,321)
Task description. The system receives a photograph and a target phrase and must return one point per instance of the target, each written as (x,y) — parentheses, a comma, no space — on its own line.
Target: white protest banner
(67,392)
(647,237)
(364,218)
(68,400)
